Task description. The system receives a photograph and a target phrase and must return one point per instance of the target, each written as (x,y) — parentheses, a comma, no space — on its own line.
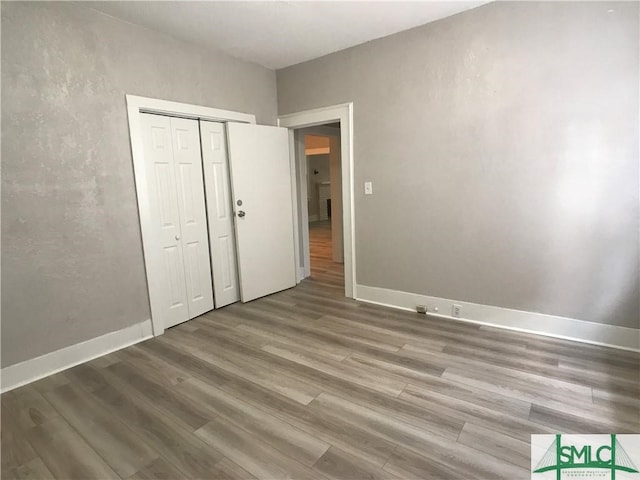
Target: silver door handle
(177,237)
(241,214)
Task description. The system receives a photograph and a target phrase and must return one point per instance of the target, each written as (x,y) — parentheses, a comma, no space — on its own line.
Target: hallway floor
(323,269)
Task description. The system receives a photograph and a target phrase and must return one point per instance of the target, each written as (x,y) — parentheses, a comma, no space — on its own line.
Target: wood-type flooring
(308,384)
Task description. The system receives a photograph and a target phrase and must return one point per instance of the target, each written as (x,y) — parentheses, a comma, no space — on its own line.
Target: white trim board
(342,113)
(300,194)
(623,338)
(184,110)
(15,376)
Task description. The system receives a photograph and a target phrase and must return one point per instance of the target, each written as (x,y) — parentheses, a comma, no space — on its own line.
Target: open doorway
(324,203)
(328,121)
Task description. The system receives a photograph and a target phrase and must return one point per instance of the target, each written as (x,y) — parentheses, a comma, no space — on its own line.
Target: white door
(262,196)
(219,213)
(193,215)
(177,252)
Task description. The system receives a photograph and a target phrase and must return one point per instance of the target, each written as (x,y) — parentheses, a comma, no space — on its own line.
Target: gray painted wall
(72,264)
(321,164)
(503,148)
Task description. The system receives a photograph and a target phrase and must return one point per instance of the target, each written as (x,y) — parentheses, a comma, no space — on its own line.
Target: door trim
(319,116)
(135,106)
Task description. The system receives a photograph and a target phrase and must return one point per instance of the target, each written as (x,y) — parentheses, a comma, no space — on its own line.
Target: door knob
(177,237)
(241,214)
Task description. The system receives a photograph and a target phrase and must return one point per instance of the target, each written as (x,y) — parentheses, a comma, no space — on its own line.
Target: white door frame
(135,106)
(336,113)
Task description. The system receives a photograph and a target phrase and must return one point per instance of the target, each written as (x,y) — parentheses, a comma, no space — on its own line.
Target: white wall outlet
(456,310)
(368,188)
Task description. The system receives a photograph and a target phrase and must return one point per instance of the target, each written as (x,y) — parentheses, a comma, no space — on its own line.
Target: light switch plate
(368,188)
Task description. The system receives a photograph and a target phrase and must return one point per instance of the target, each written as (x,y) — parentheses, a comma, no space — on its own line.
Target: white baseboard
(539,323)
(314,218)
(31,370)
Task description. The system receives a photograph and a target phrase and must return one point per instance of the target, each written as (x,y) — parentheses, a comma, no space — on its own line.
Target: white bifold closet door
(177,251)
(219,213)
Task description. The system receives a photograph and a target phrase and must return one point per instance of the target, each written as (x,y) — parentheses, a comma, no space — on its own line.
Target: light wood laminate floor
(308,384)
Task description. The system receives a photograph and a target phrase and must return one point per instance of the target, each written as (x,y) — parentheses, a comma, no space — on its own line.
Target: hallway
(323,269)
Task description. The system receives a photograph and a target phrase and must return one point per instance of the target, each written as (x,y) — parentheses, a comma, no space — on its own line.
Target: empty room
(316,239)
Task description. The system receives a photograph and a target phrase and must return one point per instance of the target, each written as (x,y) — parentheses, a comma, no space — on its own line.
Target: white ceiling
(277,34)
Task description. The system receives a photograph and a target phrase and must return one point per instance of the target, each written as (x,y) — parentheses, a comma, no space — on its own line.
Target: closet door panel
(193,216)
(163,251)
(220,213)
(174,268)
